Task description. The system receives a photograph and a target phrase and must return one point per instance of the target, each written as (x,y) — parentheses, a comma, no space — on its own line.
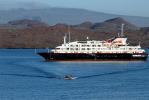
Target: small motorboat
(69,77)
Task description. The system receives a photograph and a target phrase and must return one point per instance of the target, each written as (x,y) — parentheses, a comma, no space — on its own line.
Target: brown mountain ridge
(35,34)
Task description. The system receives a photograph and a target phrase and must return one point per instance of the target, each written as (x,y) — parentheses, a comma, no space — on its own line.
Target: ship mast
(65,39)
(122,30)
(69,33)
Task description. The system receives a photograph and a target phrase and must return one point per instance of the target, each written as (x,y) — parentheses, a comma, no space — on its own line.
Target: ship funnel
(122,30)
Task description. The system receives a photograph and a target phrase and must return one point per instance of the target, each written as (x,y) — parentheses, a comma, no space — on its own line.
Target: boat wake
(115,72)
(27,69)
(51,75)
(25,75)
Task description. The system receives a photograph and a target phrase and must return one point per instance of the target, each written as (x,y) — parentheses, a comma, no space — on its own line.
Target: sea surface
(24,75)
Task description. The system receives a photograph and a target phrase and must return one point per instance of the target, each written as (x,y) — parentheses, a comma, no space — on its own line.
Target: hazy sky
(124,7)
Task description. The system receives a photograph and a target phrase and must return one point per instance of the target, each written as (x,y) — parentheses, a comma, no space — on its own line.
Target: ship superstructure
(114,45)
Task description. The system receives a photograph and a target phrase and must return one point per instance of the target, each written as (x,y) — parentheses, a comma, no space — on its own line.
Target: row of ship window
(99,46)
(85,45)
(91,49)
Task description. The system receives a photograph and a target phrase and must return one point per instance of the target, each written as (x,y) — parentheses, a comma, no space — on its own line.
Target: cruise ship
(115,48)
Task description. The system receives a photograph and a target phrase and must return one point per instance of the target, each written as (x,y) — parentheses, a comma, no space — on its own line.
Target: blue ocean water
(26,76)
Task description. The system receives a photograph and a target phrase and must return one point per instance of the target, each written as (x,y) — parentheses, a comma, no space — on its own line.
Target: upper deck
(114,45)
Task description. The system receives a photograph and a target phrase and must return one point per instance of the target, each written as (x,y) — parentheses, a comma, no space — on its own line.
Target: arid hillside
(35,34)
